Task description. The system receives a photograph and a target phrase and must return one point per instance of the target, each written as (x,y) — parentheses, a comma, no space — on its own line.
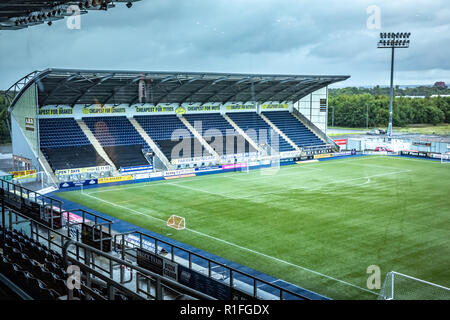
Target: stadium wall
(315,107)
(397,145)
(25,127)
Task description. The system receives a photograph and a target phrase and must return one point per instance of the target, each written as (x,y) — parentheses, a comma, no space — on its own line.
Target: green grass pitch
(318,225)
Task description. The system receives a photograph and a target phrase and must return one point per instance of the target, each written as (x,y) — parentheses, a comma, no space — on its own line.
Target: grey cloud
(265,36)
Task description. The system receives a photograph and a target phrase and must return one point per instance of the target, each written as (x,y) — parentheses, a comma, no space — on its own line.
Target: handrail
(315,129)
(191,254)
(14,288)
(160,280)
(50,235)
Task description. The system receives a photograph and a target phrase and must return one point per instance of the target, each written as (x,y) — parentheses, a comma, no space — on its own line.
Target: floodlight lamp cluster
(96,5)
(57,11)
(394,40)
(40,16)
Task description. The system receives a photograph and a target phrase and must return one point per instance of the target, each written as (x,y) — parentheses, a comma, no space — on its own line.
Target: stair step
(98,147)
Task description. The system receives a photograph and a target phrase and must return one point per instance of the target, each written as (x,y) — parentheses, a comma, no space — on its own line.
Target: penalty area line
(239,247)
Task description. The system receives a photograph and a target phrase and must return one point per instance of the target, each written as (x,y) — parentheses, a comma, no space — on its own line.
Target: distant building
(440,95)
(423,97)
(440,84)
(415,97)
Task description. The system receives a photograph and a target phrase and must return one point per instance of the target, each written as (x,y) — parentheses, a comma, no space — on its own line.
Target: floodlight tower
(393,40)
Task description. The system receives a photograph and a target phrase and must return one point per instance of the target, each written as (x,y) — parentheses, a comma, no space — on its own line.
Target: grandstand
(258,130)
(103,144)
(90,127)
(161,128)
(85,121)
(295,130)
(214,126)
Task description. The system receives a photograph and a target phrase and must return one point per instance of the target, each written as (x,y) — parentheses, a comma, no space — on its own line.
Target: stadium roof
(19,14)
(71,87)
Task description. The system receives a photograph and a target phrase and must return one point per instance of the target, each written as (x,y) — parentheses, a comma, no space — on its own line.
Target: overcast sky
(249,36)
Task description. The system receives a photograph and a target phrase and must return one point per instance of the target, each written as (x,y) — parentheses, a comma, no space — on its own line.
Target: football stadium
(228,179)
(163,185)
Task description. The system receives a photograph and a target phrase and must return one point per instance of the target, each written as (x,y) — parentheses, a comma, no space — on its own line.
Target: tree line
(353,106)
(425,91)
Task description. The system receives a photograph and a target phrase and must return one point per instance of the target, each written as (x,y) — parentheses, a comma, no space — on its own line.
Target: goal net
(398,286)
(245,167)
(176,222)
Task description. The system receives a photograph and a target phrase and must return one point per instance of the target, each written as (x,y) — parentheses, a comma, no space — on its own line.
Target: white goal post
(398,286)
(245,167)
(176,222)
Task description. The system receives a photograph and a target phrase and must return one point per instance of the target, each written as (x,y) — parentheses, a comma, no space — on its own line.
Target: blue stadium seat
(257,129)
(294,129)
(62,132)
(161,128)
(211,125)
(65,146)
(114,131)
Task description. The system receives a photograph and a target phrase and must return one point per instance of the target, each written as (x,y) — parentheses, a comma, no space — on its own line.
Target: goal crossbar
(399,286)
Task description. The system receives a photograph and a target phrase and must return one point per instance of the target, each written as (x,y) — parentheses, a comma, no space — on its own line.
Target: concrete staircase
(242,133)
(47,169)
(199,137)
(152,144)
(319,133)
(98,147)
(277,130)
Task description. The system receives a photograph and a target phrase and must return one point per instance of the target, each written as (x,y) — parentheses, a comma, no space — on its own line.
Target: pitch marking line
(335,181)
(238,246)
(229,175)
(328,183)
(310,164)
(221,175)
(154,183)
(200,190)
(306,188)
(412,159)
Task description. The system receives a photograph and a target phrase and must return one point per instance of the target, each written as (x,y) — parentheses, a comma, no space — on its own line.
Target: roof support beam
(233,96)
(60,84)
(218,92)
(297,96)
(275,96)
(260,94)
(132,101)
(96,83)
(73,86)
(113,93)
(276,86)
(182,85)
(189,96)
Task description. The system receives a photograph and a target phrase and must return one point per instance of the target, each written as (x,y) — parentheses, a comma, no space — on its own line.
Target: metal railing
(14,289)
(160,283)
(86,256)
(316,130)
(95,263)
(41,206)
(127,250)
